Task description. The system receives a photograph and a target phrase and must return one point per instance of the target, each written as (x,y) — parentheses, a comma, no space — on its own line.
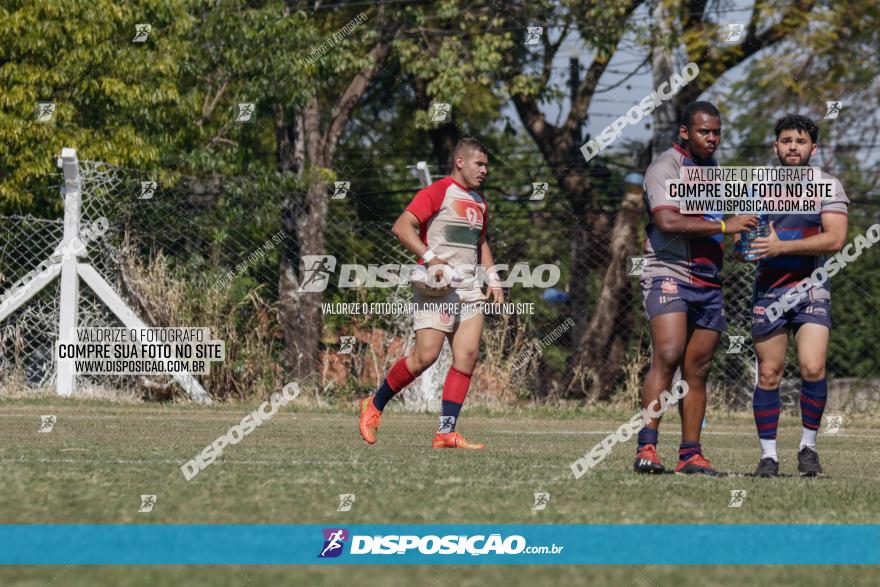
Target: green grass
(101,456)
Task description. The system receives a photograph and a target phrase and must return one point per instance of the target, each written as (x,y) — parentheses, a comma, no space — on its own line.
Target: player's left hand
(767,246)
(496,294)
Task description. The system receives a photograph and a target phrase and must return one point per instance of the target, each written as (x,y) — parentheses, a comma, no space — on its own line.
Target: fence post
(423,174)
(69,250)
(65,382)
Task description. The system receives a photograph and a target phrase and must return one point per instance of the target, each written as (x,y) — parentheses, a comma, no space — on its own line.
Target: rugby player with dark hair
(681,286)
(795,247)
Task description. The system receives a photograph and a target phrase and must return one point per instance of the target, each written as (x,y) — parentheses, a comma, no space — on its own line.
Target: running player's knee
(467,358)
(812,370)
(422,359)
(769,375)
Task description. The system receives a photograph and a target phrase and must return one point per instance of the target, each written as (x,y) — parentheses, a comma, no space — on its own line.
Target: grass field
(101,456)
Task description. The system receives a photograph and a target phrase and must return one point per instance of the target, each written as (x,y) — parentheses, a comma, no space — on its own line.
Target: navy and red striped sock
(765,407)
(398,377)
(813,397)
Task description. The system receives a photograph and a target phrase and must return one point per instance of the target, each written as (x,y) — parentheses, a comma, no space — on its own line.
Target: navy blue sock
(383,396)
(648,436)
(688,449)
(448,415)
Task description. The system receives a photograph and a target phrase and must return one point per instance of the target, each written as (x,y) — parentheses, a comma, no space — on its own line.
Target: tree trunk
(589,253)
(443,136)
(603,340)
(304,217)
(602,347)
(304,220)
(443,140)
(664,119)
(299,311)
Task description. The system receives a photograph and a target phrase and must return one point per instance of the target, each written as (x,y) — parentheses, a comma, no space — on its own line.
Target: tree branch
(693,12)
(627,77)
(717,64)
(729,58)
(550,54)
(352,94)
(208,108)
(584,94)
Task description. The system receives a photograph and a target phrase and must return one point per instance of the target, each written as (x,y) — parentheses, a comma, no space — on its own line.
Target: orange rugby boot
(454,440)
(370,419)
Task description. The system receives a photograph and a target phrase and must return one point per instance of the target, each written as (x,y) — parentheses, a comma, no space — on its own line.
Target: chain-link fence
(161,257)
(200,252)
(734,371)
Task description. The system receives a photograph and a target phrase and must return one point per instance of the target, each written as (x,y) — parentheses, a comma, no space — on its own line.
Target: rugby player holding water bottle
(794,248)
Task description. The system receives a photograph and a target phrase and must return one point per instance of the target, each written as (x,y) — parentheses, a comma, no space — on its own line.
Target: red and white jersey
(453,221)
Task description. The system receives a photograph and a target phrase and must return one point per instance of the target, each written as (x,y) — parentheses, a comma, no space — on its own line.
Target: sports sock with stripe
(455,389)
(813,396)
(398,377)
(765,407)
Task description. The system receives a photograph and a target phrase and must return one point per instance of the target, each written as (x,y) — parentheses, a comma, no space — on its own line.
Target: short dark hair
(798,122)
(691,110)
(469,143)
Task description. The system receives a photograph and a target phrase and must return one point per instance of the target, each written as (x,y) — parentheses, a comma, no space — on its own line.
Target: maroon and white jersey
(453,222)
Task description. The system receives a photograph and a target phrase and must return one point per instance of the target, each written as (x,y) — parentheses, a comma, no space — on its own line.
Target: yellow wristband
(723,227)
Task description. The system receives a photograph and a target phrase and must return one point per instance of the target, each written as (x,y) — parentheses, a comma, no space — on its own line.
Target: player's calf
(813,397)
(455,390)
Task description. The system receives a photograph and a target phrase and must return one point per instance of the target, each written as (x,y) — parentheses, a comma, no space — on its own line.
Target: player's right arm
(672,221)
(406,229)
(669,219)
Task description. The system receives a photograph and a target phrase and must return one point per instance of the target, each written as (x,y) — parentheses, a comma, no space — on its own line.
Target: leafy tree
(116,100)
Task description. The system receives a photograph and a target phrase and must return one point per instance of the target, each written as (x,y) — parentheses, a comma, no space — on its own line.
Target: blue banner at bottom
(492,544)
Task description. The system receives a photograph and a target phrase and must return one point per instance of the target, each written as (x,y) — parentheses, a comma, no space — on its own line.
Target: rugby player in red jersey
(445,225)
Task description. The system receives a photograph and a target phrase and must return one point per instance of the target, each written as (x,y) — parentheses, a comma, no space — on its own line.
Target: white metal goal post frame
(71,270)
